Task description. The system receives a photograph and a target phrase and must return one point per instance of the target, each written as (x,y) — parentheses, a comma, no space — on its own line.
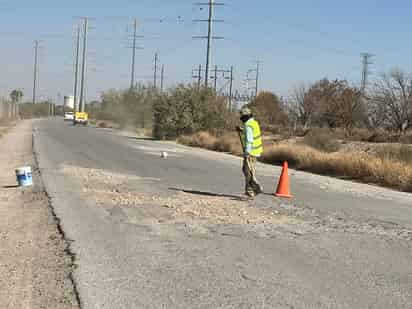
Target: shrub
(184,110)
(322,139)
(29,110)
(406,139)
(360,135)
(380,136)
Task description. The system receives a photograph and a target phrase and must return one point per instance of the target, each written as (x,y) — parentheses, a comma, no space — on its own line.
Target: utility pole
(133,53)
(257,78)
(36,61)
(211,4)
(215,79)
(197,74)
(231,88)
(253,91)
(162,76)
(82,89)
(134,47)
(76,69)
(209,41)
(365,71)
(199,77)
(155,71)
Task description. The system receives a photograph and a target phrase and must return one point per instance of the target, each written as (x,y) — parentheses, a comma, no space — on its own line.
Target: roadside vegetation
(38,110)
(329,127)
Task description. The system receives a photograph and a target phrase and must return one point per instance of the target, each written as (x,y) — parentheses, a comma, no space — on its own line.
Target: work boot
(258,190)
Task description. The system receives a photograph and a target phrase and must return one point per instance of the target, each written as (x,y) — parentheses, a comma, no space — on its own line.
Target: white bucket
(24,176)
(164,154)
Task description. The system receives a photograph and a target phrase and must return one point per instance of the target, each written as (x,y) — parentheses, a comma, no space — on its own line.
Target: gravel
(35,266)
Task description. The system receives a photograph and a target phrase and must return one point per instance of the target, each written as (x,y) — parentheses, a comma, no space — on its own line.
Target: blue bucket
(24,176)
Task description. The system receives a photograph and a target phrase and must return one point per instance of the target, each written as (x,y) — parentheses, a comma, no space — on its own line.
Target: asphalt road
(140,243)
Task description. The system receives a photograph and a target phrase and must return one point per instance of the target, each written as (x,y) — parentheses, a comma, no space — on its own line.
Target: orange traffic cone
(284,185)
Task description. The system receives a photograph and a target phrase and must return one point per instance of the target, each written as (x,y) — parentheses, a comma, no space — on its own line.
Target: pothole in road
(104,188)
(116,189)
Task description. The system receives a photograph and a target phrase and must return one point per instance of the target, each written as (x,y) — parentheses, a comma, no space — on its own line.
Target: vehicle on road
(81,118)
(68,116)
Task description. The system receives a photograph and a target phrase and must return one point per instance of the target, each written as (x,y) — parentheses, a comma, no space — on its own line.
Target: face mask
(244,118)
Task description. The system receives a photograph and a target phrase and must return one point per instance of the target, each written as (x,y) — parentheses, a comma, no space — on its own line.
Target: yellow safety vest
(257,145)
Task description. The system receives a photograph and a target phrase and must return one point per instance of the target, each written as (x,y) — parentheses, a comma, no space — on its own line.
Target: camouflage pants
(249,170)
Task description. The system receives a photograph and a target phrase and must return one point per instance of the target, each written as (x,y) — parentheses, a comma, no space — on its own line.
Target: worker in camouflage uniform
(251,138)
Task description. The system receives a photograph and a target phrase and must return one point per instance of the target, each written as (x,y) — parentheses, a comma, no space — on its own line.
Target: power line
(211,4)
(197,73)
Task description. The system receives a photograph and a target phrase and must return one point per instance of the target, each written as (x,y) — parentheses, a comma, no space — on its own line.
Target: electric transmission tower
(227,75)
(366,62)
(211,5)
(255,79)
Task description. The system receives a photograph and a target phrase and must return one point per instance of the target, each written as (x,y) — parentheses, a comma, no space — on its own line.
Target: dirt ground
(35,266)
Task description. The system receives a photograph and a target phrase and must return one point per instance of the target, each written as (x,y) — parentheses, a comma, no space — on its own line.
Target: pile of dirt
(104,187)
(89,175)
(115,197)
(223,210)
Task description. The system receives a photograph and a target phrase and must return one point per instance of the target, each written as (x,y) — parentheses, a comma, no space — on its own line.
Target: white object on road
(24,176)
(69,116)
(164,154)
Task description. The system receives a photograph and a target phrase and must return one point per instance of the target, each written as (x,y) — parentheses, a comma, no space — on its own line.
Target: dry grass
(392,167)
(356,165)
(402,153)
(229,142)
(4,130)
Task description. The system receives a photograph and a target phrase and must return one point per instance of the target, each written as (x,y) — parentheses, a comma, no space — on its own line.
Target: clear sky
(297,41)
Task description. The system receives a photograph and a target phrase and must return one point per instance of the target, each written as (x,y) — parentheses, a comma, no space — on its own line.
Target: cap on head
(245,111)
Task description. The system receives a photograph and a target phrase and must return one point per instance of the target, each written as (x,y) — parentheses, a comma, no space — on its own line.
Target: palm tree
(16,96)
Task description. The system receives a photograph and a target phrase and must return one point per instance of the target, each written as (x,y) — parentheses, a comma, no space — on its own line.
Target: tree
(344,108)
(331,103)
(269,109)
(303,105)
(16,96)
(392,101)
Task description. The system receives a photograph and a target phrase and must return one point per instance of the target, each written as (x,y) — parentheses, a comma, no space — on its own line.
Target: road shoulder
(35,266)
